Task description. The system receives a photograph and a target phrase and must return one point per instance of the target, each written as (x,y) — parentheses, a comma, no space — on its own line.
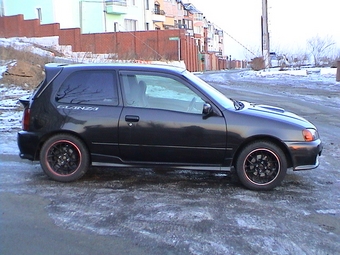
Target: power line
(147,45)
(239,43)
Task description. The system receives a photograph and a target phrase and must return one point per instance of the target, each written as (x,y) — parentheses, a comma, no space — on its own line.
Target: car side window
(89,87)
(160,92)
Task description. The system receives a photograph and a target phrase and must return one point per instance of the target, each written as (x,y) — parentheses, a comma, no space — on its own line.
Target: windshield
(214,93)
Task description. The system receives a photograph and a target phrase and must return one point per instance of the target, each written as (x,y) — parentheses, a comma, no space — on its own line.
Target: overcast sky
(291,23)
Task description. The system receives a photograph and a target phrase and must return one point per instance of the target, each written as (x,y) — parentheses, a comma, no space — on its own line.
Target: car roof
(117,66)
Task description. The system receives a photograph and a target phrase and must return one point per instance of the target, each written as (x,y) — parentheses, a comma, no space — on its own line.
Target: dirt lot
(24,68)
(162,211)
(23,74)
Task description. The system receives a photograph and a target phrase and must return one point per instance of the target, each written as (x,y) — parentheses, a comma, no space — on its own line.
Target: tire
(261,166)
(64,158)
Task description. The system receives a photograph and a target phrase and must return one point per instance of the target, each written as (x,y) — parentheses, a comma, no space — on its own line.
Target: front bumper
(28,144)
(305,155)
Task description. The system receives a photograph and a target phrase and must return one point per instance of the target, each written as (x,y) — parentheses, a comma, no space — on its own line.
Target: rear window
(89,87)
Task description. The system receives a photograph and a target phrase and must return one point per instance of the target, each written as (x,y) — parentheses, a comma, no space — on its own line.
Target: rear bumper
(305,155)
(28,144)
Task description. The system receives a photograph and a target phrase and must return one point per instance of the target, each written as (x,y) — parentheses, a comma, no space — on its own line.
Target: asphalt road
(161,211)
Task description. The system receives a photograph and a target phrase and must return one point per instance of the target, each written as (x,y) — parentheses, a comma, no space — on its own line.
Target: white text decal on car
(82,108)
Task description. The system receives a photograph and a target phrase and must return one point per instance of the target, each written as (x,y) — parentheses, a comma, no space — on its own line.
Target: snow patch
(2,70)
(329,211)
(272,73)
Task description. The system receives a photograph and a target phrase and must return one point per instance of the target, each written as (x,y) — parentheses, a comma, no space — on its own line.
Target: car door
(162,121)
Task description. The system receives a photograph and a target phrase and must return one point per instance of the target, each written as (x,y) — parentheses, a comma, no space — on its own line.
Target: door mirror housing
(207,110)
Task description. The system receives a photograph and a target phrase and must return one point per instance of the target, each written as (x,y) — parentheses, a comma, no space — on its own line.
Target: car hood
(276,113)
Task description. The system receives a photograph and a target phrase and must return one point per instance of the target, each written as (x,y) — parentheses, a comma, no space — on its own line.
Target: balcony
(158,15)
(116,7)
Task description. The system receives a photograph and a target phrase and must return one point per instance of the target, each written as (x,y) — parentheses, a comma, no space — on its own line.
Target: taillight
(26,119)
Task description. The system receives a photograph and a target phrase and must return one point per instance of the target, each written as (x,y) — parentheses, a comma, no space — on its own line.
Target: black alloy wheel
(64,158)
(261,166)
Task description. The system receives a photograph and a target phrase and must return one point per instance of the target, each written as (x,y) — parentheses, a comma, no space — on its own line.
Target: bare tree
(335,58)
(251,52)
(336,55)
(320,47)
(299,59)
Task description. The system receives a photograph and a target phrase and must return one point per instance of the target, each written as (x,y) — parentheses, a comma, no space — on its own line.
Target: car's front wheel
(261,166)
(64,158)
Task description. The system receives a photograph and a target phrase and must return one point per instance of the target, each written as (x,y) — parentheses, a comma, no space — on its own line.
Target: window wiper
(241,105)
(237,104)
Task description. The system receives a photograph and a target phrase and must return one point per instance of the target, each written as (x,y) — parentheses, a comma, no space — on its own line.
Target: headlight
(310,134)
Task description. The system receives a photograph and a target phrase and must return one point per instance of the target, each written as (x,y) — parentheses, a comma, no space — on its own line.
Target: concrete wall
(138,45)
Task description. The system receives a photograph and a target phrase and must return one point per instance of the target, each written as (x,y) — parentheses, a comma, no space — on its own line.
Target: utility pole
(104,12)
(265,35)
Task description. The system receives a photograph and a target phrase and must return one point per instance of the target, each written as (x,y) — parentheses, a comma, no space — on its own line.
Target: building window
(130,25)
(189,22)
(198,16)
(157,8)
(39,14)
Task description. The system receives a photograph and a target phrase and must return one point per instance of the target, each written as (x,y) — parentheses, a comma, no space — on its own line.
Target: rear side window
(89,87)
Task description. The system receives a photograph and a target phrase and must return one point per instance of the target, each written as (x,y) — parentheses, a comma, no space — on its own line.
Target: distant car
(154,115)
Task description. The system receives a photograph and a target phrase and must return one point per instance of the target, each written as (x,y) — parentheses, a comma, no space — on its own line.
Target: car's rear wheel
(261,166)
(64,158)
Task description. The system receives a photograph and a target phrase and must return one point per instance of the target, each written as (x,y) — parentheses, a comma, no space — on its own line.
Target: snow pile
(10,116)
(322,75)
(274,72)
(49,47)
(328,72)
(11,113)
(26,45)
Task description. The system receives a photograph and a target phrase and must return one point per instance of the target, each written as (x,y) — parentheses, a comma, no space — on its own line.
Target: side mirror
(207,110)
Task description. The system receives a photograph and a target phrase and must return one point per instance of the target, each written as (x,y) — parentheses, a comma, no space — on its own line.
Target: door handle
(131,118)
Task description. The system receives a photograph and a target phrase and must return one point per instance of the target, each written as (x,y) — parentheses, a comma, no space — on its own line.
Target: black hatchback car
(154,115)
